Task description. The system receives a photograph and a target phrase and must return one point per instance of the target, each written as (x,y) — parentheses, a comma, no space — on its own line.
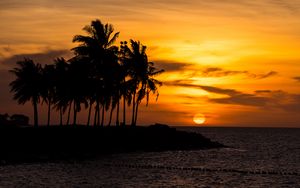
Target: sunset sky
(237,62)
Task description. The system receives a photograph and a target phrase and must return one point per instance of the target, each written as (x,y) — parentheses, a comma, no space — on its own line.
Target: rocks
(46,143)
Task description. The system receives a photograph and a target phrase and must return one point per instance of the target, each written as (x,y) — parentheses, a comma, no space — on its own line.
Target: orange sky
(236,62)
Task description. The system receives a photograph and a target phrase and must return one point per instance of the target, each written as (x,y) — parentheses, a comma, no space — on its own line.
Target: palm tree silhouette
(28,84)
(91,86)
(48,91)
(100,75)
(98,48)
(62,87)
(114,88)
(148,85)
(78,74)
(124,87)
(141,73)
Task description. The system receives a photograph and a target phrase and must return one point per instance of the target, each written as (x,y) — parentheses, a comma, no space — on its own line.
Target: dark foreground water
(257,158)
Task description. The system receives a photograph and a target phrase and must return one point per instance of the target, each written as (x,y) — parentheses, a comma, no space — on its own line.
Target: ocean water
(257,157)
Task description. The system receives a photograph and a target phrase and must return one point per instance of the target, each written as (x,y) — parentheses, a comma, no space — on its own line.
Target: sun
(199,119)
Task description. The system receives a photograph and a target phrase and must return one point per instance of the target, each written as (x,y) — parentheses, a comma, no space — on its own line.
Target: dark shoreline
(55,143)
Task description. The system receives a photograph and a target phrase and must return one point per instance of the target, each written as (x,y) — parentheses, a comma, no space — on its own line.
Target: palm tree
(62,87)
(27,86)
(119,90)
(137,57)
(48,91)
(79,77)
(141,72)
(123,74)
(97,47)
(115,86)
(148,85)
(90,95)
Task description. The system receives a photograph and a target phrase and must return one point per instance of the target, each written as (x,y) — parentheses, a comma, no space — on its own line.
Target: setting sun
(199,119)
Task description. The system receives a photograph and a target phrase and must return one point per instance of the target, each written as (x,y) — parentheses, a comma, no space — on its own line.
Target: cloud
(293,104)
(275,99)
(297,78)
(257,6)
(219,72)
(43,57)
(171,66)
(220,90)
(236,97)
(262,76)
(263,91)
(211,89)
(243,99)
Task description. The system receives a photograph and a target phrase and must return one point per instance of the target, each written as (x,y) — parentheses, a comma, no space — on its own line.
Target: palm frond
(113,39)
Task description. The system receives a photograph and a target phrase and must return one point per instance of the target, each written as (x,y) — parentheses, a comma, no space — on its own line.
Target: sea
(255,157)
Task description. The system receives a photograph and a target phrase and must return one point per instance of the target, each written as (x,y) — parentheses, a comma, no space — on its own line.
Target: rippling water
(252,150)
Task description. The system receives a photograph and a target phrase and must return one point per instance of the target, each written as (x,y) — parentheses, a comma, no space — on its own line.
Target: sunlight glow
(199,119)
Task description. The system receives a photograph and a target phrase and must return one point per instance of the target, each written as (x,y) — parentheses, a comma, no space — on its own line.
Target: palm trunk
(102,120)
(133,109)
(75,113)
(110,115)
(60,116)
(95,114)
(98,115)
(49,110)
(136,112)
(124,110)
(89,115)
(35,113)
(118,109)
(124,103)
(69,113)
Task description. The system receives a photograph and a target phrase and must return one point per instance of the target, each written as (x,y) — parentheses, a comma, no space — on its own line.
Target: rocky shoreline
(28,144)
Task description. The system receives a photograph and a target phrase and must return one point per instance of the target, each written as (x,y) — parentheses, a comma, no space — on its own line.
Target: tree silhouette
(48,87)
(101,54)
(78,74)
(62,92)
(28,84)
(141,72)
(124,87)
(148,84)
(100,75)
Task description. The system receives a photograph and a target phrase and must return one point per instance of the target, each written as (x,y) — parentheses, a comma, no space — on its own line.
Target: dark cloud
(211,89)
(260,98)
(263,91)
(236,97)
(297,78)
(171,66)
(220,90)
(262,76)
(243,99)
(291,103)
(43,58)
(219,72)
